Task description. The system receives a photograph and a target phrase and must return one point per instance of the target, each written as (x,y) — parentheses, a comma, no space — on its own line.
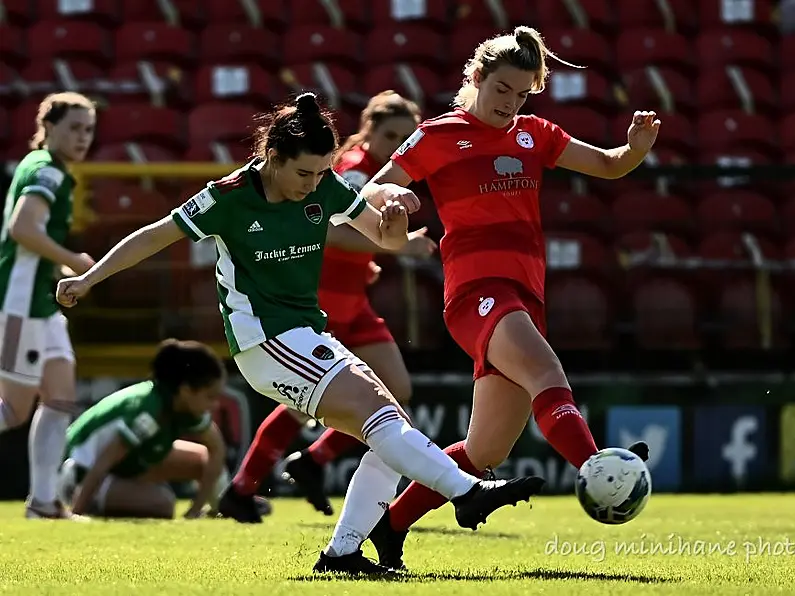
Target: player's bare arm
(388,228)
(348,238)
(210,438)
(28,226)
(113,454)
(613,163)
(136,247)
(390,184)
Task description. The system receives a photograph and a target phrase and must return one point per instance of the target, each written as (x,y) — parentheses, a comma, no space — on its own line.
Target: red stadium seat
(155,41)
(314,43)
(346,120)
(660,89)
(501,14)
(646,244)
(734,47)
(221,122)
(569,86)
(408,42)
(665,315)
(191,14)
(413,81)
(463,41)
(435,13)
(270,14)
(787,131)
(578,314)
(5,132)
(237,82)
(739,306)
(120,201)
(12,45)
(335,83)
(649,211)
(70,39)
(582,47)
(721,88)
(676,132)
(339,13)
(787,91)
(648,14)
(756,13)
(582,123)
(23,123)
(786,52)
(566,212)
(127,83)
(9,94)
(733,246)
(135,122)
(18,12)
(134,152)
(737,157)
(638,48)
(236,42)
(105,11)
(593,14)
(232,153)
(45,77)
(788,217)
(727,130)
(567,251)
(737,210)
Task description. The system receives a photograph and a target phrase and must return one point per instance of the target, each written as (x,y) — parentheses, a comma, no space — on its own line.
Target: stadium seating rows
(181,79)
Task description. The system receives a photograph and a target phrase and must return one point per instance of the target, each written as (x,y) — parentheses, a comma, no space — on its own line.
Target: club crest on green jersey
(314,213)
(322,352)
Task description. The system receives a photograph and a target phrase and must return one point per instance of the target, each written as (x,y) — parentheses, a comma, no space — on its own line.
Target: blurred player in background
(348,268)
(122,451)
(36,358)
(493,253)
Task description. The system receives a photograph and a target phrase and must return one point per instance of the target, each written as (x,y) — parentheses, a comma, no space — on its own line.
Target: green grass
(512,554)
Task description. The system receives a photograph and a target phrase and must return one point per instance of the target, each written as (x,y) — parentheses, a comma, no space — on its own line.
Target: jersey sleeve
(553,139)
(42,179)
(356,178)
(139,422)
(344,202)
(202,215)
(419,155)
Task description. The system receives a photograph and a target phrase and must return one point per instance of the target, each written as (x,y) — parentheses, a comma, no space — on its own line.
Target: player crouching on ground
(122,452)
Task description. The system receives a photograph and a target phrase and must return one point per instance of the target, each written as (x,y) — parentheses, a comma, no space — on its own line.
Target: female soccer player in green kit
(269,220)
(122,450)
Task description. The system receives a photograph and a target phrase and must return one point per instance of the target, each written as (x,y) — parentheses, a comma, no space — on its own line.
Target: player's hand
(419,245)
(194,513)
(82,263)
(70,290)
(642,132)
(374,273)
(394,220)
(392,192)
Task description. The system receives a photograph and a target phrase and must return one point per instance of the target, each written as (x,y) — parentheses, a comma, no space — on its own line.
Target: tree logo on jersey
(314,213)
(411,141)
(525,139)
(511,180)
(508,166)
(322,352)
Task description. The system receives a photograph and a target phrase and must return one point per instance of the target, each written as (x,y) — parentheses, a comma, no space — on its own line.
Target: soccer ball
(613,486)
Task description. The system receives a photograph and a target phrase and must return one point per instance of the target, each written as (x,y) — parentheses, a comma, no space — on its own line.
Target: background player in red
(348,268)
(483,163)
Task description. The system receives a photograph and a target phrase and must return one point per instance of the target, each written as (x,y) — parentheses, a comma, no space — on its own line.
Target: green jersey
(139,415)
(26,279)
(269,255)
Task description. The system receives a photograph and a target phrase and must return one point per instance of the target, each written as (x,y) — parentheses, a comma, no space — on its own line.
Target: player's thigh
(58,383)
(501,410)
(387,363)
(21,364)
(186,461)
(127,497)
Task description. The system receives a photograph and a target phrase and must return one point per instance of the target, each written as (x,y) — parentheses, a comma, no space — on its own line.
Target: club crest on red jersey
(314,213)
(525,139)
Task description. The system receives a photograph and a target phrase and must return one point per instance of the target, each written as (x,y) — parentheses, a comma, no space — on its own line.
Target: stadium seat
(582,47)
(787,131)
(664,315)
(787,90)
(191,14)
(572,87)
(726,130)
(266,14)
(737,210)
(732,246)
(135,152)
(336,84)
(237,82)
(414,81)
(18,12)
(435,13)
(409,42)
(52,76)
(582,123)
(638,48)
(567,212)
(568,251)
(676,134)
(642,245)
(103,11)
(786,52)
(128,82)
(463,41)
(651,212)
(500,14)
(662,89)
(9,94)
(751,310)
(343,14)
(578,313)
(23,123)
(787,214)
(734,88)
(70,39)
(734,47)
(155,41)
(649,14)
(231,153)
(316,43)
(238,42)
(12,45)
(225,122)
(584,14)
(746,13)
(126,201)
(737,158)
(137,122)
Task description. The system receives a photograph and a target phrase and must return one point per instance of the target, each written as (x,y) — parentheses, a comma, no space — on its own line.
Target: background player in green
(269,220)
(121,451)
(36,357)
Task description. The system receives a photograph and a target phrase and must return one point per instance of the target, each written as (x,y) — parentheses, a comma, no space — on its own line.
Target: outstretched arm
(346,237)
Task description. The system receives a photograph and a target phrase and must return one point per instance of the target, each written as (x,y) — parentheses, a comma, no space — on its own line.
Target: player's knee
(402,390)
(487,454)
(164,502)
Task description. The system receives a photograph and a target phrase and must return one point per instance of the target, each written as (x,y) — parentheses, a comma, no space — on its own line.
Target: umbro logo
(255,227)
(464,144)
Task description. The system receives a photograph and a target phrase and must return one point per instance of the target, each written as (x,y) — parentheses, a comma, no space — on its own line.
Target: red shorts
(472,316)
(364,329)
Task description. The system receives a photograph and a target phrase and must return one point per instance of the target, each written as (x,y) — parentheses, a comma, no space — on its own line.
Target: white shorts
(296,367)
(28,343)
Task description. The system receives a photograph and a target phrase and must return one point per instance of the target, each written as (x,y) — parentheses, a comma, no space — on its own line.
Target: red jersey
(343,279)
(485,183)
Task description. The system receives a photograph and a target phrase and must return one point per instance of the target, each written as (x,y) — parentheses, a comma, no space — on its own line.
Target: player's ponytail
(52,109)
(189,363)
(524,49)
(303,126)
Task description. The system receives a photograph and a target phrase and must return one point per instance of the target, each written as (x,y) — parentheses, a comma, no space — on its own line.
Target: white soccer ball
(613,486)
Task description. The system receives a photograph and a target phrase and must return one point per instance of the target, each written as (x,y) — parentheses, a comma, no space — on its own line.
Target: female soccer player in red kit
(348,268)
(483,163)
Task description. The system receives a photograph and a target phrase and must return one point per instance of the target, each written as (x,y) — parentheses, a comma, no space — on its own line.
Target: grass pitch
(717,545)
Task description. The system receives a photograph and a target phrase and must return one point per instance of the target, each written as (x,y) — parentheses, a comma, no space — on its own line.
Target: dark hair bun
(307,104)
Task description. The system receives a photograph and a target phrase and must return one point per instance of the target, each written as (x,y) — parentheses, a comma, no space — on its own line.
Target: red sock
(274,435)
(417,500)
(330,445)
(563,426)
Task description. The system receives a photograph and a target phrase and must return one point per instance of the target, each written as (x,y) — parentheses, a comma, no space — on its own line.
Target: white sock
(369,494)
(410,453)
(46,444)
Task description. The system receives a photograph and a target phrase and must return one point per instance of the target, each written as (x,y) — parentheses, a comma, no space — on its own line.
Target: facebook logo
(660,427)
(729,442)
